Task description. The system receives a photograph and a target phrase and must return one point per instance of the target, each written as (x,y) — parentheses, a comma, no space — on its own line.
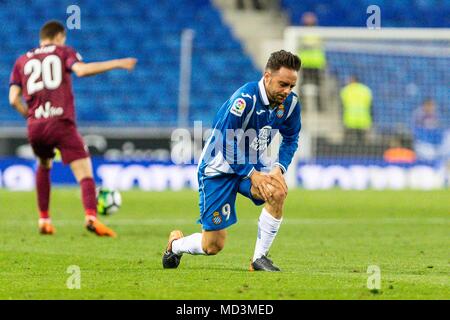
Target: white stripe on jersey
(292,107)
(249,115)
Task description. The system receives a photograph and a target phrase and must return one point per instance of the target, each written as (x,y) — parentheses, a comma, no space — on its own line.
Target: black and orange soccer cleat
(46,227)
(263,264)
(95,226)
(171,260)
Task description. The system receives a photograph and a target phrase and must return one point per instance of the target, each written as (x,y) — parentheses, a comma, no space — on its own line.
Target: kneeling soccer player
(260,108)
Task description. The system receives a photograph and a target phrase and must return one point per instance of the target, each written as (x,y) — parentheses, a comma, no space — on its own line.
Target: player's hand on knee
(261,182)
(277,174)
(278,192)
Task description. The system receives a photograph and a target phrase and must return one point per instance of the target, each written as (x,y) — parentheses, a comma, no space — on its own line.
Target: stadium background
(330,240)
(127,118)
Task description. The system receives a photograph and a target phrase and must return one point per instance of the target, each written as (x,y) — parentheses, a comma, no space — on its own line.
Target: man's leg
(43,195)
(217,199)
(82,170)
(268,224)
(205,243)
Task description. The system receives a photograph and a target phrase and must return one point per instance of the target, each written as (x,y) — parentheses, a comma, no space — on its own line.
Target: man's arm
(15,100)
(238,111)
(233,122)
(290,133)
(82,69)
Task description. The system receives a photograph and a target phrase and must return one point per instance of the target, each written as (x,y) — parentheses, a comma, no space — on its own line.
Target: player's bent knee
(279,196)
(213,241)
(214,246)
(213,249)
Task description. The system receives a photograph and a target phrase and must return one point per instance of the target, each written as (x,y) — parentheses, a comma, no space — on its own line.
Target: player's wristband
(283,169)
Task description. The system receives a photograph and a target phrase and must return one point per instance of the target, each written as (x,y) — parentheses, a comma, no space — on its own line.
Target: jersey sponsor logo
(261,142)
(48,111)
(280,112)
(238,107)
(217,219)
(246,95)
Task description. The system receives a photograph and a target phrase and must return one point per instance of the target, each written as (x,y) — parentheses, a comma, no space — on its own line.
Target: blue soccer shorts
(218,197)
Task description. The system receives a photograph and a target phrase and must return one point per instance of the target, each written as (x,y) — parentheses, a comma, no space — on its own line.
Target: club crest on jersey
(280,112)
(217,219)
(261,142)
(238,107)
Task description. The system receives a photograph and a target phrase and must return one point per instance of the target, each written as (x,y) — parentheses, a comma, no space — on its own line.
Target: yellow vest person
(311,53)
(357,100)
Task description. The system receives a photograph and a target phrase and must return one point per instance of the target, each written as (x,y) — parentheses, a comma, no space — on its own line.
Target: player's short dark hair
(51,29)
(285,59)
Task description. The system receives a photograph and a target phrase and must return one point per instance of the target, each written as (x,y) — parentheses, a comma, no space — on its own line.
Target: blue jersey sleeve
(290,132)
(234,122)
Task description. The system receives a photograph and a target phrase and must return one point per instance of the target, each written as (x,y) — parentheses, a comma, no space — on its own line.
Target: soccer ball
(108,201)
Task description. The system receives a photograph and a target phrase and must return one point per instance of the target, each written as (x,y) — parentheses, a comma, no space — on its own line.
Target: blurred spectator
(398,153)
(309,19)
(256,4)
(356,100)
(312,56)
(427,131)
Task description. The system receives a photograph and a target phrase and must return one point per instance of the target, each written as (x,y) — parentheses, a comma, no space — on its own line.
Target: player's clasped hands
(265,184)
(277,174)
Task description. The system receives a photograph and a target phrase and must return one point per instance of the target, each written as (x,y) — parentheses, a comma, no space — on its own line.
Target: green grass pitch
(326,243)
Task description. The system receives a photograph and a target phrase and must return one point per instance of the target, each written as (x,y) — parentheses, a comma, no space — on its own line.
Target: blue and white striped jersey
(243,129)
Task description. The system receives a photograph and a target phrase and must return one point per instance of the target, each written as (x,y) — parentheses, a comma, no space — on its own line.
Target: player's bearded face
(279,84)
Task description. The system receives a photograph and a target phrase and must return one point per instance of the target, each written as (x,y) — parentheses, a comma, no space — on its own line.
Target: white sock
(267,230)
(191,244)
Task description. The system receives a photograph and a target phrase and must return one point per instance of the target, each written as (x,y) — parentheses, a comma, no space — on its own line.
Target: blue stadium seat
(408,13)
(147,30)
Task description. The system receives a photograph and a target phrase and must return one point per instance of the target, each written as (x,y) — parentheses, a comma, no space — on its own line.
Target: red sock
(88,194)
(43,191)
